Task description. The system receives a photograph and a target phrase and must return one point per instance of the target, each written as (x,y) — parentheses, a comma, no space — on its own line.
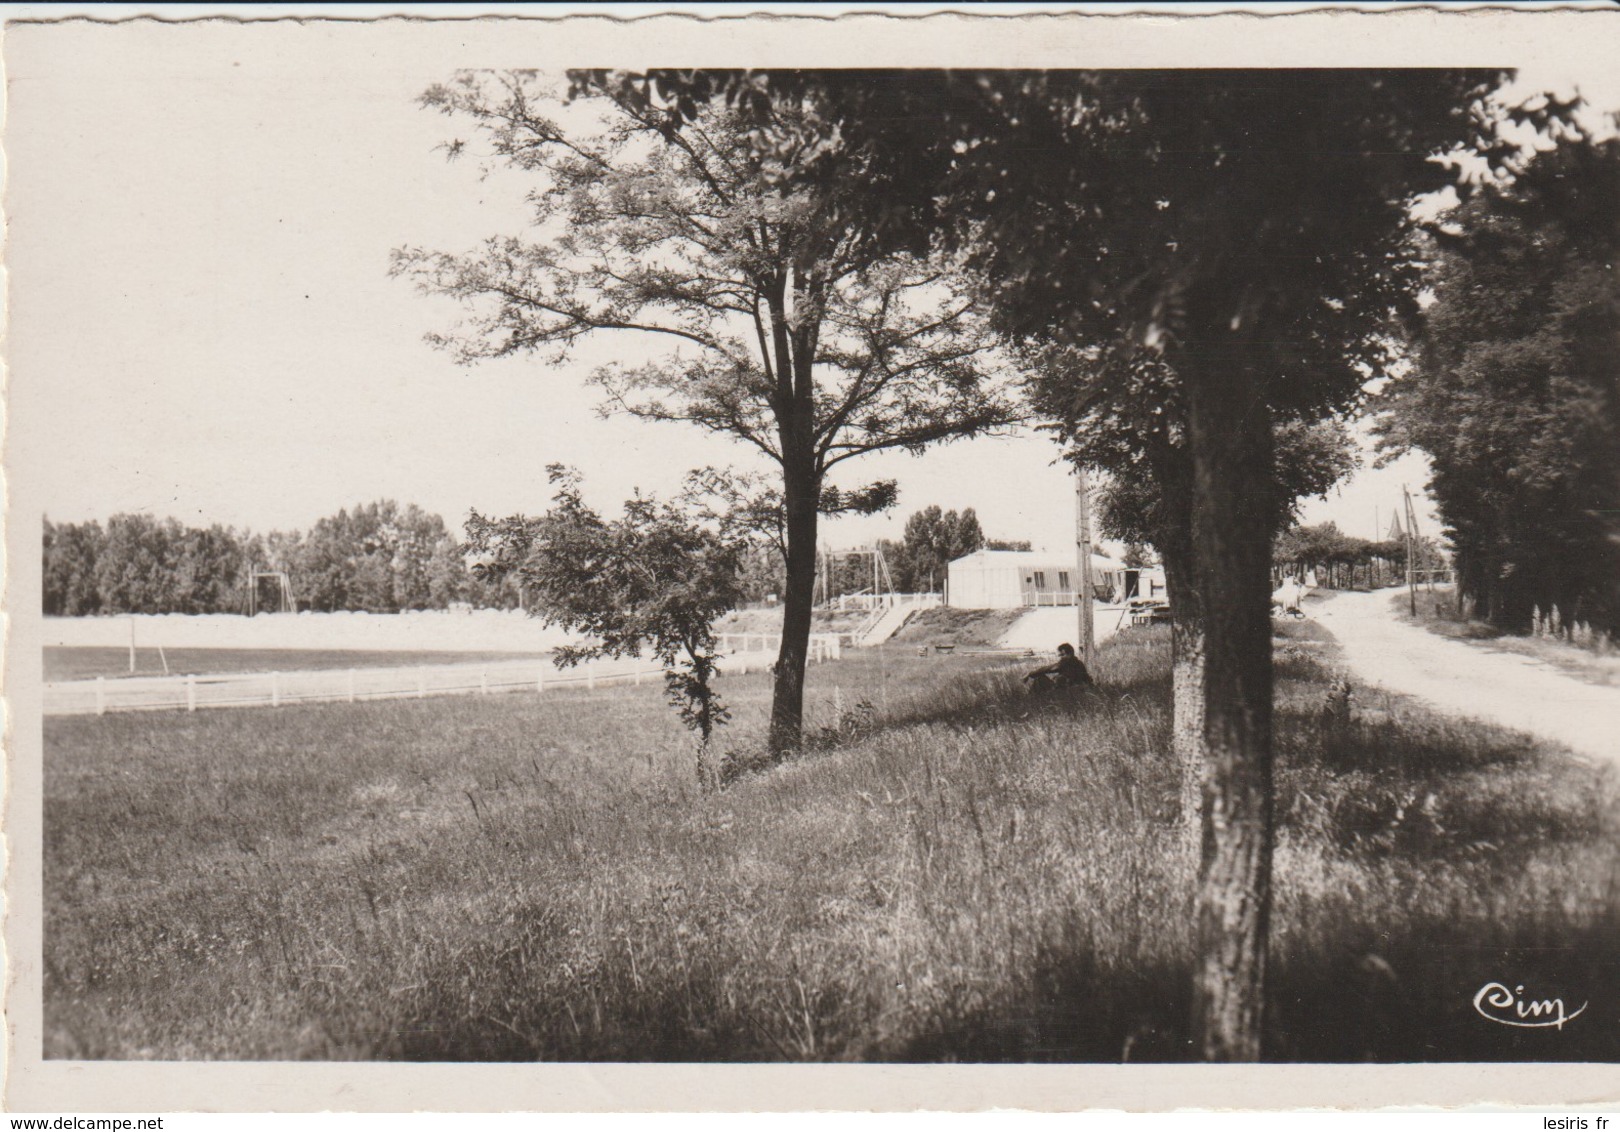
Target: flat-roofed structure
(1012,579)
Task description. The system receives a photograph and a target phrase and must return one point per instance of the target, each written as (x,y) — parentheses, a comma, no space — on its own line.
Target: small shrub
(739,762)
(854,725)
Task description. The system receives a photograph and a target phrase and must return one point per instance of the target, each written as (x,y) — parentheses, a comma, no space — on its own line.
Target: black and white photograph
(694,548)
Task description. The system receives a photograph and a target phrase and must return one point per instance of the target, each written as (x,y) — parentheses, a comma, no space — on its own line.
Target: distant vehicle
(1148,611)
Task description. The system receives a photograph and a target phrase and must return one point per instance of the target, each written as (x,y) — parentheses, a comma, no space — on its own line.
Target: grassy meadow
(948,873)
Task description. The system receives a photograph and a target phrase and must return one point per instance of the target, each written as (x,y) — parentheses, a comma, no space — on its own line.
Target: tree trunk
(1516,607)
(1231,440)
(1187,727)
(800,495)
(794,339)
(1186,685)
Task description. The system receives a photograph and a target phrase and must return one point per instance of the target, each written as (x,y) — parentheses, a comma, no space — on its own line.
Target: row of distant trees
(1341,561)
(385,558)
(378,558)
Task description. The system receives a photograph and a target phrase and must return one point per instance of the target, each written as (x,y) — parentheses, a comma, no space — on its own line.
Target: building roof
(1034,559)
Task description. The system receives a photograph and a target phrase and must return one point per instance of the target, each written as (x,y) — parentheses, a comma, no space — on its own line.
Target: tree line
(386,558)
(377,557)
(1342,561)
(918,561)
(1515,394)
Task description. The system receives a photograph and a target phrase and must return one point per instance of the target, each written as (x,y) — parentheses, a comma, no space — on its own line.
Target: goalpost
(283,590)
(827,563)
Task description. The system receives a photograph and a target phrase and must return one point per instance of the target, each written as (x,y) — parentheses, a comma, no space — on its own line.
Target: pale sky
(202,324)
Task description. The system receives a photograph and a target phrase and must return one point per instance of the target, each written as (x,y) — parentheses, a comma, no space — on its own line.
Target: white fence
(1055,598)
(886,619)
(882,601)
(275,689)
(823,646)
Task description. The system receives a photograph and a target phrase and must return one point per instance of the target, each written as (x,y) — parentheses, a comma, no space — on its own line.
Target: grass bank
(947,625)
(1596,663)
(948,874)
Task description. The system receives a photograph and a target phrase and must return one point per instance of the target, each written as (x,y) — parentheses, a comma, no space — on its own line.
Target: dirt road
(1465,679)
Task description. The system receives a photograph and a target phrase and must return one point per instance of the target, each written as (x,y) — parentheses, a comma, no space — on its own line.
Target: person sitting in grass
(1067,674)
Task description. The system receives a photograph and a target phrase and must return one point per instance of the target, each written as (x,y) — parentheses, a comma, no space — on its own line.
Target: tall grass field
(949,872)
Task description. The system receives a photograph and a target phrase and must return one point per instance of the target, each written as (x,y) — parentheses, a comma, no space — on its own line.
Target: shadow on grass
(1076,1009)
(1421,861)
(1407,1000)
(1412,998)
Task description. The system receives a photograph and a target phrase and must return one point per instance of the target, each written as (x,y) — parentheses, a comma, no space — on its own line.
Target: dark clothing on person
(1068,672)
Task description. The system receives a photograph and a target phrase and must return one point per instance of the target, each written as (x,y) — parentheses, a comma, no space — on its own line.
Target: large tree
(1147,498)
(376,557)
(134,568)
(1247,233)
(208,571)
(1516,396)
(1250,231)
(793,326)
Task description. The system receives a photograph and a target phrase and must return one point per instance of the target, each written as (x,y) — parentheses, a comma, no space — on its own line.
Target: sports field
(64,663)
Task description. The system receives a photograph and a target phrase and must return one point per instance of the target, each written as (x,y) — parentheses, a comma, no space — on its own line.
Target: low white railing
(887,620)
(275,689)
(328,685)
(823,646)
(864,629)
(1049,597)
(883,601)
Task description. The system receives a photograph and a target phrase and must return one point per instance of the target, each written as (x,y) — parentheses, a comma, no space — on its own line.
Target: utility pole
(1082,543)
(1411,551)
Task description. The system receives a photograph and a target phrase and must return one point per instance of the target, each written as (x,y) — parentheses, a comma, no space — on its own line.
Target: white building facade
(1013,579)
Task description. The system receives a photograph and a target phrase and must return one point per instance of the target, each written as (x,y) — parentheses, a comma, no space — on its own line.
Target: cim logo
(1496,1003)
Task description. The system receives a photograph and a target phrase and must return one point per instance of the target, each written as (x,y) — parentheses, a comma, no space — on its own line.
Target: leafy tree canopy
(792,325)
(1516,395)
(932,539)
(651,582)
